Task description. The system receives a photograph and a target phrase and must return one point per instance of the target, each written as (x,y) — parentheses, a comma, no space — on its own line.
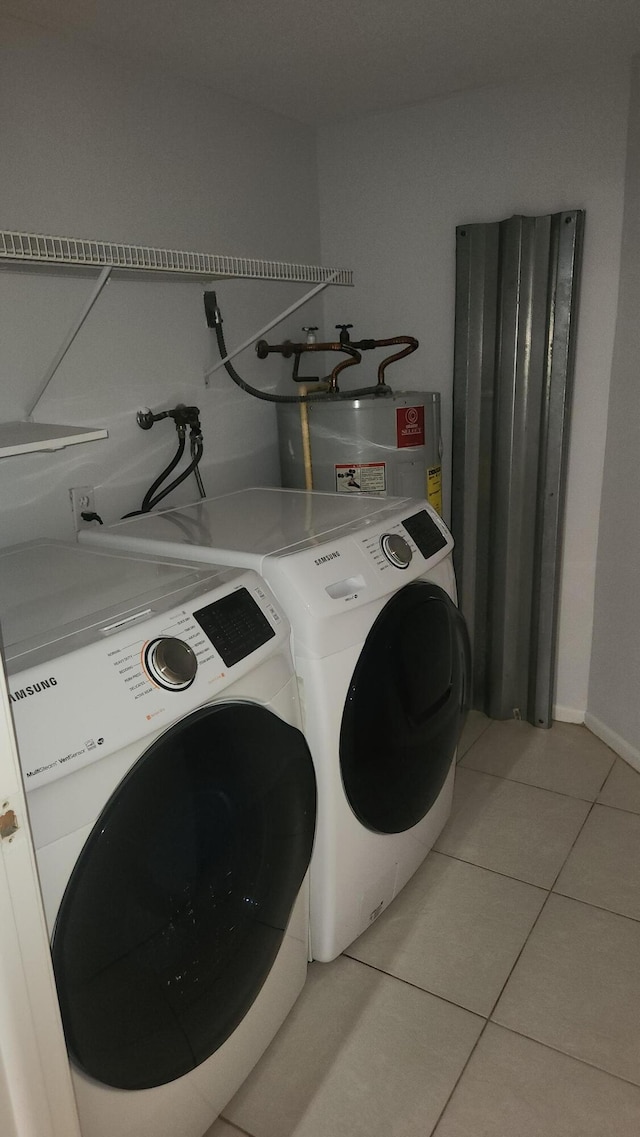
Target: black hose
(178,481)
(379,389)
(165,474)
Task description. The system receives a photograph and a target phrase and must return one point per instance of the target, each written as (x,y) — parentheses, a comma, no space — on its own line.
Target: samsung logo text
(33,689)
(327,557)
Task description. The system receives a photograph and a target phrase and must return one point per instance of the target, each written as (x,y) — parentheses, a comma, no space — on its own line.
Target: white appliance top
(253,523)
(323,555)
(51,590)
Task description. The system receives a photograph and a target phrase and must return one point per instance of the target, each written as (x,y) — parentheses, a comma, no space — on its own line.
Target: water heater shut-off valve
(344,330)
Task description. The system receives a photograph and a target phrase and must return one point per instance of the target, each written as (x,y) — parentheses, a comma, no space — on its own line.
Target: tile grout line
(491,1012)
(488,1019)
(550,892)
(472,744)
(541,888)
(451,1004)
(492,722)
(484,868)
(615,759)
(619,808)
(458,1079)
(244,1132)
(533,786)
(414,986)
(573,845)
(565,1054)
(596,907)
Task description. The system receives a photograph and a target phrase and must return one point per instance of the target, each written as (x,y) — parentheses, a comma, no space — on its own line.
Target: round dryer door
(405,709)
(178,904)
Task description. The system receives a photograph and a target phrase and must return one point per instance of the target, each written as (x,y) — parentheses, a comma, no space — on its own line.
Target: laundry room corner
(106,149)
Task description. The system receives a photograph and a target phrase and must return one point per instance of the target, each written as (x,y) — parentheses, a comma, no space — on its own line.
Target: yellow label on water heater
(434,488)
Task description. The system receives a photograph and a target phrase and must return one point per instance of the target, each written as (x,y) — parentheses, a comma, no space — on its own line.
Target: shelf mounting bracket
(69,338)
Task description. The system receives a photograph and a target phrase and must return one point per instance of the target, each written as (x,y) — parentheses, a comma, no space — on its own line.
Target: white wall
(94,145)
(614,685)
(394,186)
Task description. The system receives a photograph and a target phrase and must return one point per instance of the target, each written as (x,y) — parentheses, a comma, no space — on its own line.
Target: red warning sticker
(409,426)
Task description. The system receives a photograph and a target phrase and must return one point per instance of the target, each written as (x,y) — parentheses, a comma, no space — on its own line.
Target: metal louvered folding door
(515,327)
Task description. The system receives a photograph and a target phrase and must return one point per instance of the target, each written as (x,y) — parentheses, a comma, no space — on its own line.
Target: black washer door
(178,904)
(405,708)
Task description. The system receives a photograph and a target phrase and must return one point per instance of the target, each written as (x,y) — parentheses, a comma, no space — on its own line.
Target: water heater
(376,444)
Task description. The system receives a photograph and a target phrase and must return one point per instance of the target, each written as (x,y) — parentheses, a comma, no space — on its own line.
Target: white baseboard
(620,745)
(567,714)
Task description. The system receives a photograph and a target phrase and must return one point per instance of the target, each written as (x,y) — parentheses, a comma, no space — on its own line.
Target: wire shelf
(35,248)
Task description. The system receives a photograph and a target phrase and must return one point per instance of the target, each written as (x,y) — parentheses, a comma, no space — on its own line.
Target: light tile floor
(499,995)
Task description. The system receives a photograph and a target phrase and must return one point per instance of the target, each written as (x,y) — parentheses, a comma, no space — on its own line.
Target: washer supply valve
(182,417)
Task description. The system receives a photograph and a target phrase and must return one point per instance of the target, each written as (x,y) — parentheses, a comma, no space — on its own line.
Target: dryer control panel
(363,563)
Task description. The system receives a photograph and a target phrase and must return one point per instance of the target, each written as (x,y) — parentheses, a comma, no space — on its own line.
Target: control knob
(396,550)
(171,663)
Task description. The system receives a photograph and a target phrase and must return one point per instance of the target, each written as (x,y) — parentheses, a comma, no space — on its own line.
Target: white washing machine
(382,658)
(172,804)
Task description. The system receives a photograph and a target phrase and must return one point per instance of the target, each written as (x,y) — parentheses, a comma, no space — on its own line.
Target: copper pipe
(411,343)
(333,380)
(287,349)
(368,345)
(354,357)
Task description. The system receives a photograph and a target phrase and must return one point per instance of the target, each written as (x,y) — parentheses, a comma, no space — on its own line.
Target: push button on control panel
(396,550)
(171,663)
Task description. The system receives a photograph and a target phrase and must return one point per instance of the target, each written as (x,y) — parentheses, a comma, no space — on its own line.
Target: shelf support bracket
(267,328)
(70,337)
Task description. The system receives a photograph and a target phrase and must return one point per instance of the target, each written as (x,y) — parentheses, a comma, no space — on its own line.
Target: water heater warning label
(361,477)
(434,488)
(409,426)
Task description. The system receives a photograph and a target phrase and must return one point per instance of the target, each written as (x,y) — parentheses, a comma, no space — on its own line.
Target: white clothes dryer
(382,658)
(172,801)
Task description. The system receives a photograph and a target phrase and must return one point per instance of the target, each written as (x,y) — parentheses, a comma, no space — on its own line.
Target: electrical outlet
(82,501)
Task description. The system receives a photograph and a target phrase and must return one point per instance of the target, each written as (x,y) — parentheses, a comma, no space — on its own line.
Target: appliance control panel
(414,541)
(139,676)
(235,625)
(362,565)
